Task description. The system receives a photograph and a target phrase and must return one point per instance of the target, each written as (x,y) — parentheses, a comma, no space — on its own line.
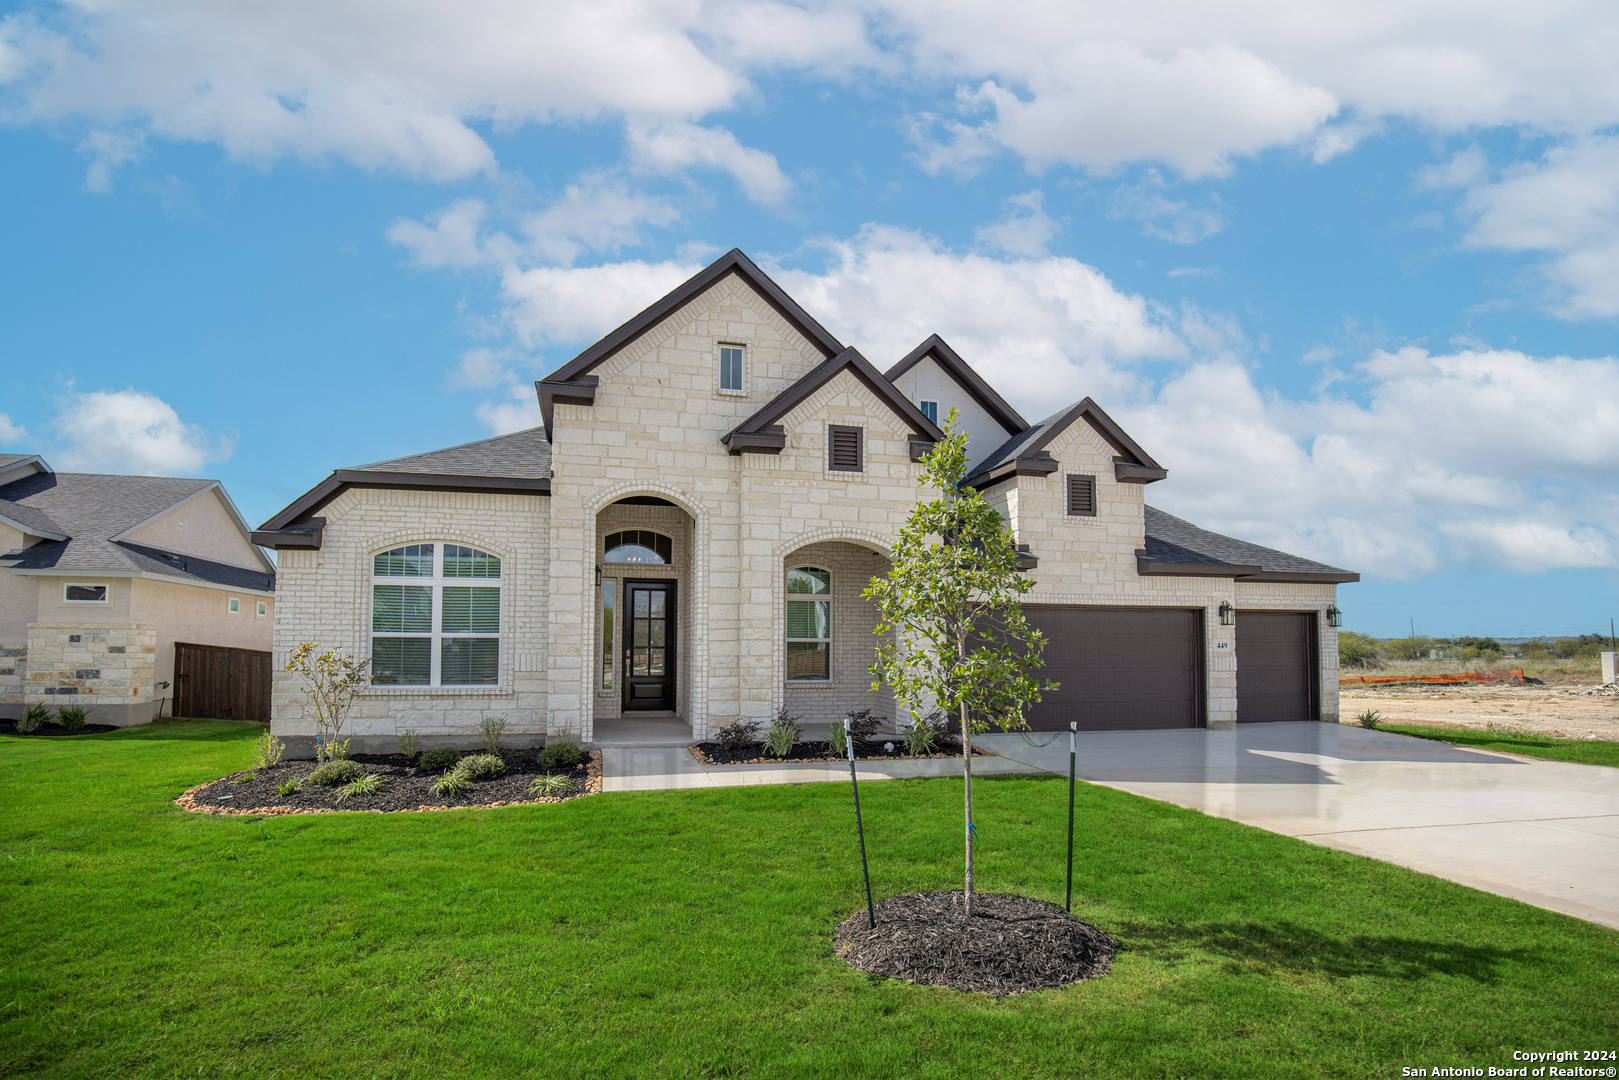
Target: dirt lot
(1544,710)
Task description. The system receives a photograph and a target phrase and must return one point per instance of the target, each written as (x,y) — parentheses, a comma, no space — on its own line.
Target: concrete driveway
(1543,832)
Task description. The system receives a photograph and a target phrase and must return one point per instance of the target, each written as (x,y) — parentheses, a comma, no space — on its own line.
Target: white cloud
(1566,205)
(107,150)
(671,148)
(480,369)
(519,412)
(1174,220)
(11,434)
(1464,169)
(452,240)
(1023,230)
(548,304)
(132,431)
(597,213)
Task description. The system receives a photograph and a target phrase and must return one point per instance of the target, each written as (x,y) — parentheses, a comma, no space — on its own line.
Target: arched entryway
(827,642)
(642,653)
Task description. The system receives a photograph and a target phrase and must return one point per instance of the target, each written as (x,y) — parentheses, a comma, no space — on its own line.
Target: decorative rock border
(187,800)
(708,762)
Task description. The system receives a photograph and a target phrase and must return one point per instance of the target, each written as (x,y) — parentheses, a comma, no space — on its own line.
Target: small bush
(863,723)
(1357,650)
(267,750)
(451,783)
(33,718)
(921,736)
(332,751)
(445,757)
(369,784)
(1370,718)
(292,785)
(71,716)
(492,727)
(246,778)
(561,755)
(551,784)
(738,736)
(783,735)
(407,742)
(333,773)
(481,766)
(839,739)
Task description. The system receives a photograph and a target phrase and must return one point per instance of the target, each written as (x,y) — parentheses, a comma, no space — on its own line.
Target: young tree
(953,594)
(331,682)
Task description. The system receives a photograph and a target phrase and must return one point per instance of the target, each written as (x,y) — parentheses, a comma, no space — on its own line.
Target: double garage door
(1131,669)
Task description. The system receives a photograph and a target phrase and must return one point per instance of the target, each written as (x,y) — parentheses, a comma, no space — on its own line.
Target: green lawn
(1579,751)
(687,934)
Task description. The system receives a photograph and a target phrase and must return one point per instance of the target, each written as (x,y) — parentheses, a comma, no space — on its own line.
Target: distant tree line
(1362,650)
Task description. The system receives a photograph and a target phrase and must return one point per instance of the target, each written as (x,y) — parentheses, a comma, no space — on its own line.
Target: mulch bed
(54,730)
(408,789)
(711,753)
(1013,944)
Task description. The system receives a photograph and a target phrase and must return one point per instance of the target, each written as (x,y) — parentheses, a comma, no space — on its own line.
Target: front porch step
(641,730)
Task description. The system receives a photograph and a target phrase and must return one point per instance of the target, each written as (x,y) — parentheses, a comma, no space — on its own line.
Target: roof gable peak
(962,373)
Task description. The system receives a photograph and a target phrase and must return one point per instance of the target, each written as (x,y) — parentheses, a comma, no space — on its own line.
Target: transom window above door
(429,625)
(639,546)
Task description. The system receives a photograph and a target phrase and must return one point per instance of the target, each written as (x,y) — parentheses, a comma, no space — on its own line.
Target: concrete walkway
(654,768)
(1543,832)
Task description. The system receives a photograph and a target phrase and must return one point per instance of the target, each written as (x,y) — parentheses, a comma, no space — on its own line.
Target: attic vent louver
(844,449)
(1081,495)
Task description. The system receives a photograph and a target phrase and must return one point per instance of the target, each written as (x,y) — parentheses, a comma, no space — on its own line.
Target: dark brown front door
(649,645)
(1276,666)
(222,684)
(1121,669)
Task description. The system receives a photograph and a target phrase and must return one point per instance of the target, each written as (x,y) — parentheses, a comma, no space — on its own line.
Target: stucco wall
(928,381)
(201,526)
(325,596)
(200,616)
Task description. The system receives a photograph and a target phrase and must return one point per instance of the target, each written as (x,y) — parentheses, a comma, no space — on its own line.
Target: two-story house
(688,534)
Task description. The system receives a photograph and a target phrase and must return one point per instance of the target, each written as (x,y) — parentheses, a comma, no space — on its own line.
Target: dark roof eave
(1041,464)
(848,360)
(965,377)
(1146,567)
(554,392)
(343,479)
(769,440)
(1304,577)
(1128,472)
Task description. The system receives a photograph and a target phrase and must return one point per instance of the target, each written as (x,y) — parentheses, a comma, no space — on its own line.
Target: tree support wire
(1073,735)
(854,784)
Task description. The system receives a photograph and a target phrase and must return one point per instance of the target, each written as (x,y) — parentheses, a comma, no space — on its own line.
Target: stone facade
(737,522)
(106,670)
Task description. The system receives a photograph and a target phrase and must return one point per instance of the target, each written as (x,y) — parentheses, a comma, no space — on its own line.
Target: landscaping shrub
(561,755)
(550,784)
(451,783)
(481,766)
(335,772)
(71,717)
(839,740)
(863,723)
(783,735)
(1370,718)
(921,735)
(445,757)
(33,718)
(492,727)
(736,737)
(292,785)
(267,750)
(407,742)
(369,784)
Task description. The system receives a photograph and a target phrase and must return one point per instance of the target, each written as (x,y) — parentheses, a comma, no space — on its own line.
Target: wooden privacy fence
(219,683)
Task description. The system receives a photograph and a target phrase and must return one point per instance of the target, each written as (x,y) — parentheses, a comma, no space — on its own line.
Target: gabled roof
(1026,451)
(84,516)
(762,433)
(1179,548)
(732,262)
(518,463)
(7,460)
(138,560)
(965,377)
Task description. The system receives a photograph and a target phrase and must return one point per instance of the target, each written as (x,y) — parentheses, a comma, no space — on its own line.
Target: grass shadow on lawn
(688,934)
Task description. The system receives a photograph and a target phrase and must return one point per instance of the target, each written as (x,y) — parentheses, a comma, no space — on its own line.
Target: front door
(649,645)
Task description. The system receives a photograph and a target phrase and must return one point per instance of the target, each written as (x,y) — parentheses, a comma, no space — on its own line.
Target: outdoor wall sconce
(1335,618)
(598,577)
(1228,614)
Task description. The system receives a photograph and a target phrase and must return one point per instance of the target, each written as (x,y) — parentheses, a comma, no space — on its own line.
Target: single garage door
(1276,666)
(222,684)
(1121,669)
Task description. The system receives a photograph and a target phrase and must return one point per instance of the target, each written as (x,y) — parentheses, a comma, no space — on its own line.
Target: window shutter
(1081,495)
(844,449)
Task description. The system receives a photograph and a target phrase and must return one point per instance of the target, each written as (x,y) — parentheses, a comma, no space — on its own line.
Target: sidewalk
(654,768)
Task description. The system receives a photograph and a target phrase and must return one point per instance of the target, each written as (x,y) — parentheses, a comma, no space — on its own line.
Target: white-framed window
(76,593)
(234,606)
(930,409)
(263,609)
(435,616)
(809,624)
(733,362)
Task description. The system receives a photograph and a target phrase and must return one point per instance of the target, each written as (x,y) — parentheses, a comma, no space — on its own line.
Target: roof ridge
(821,374)
(444,449)
(965,376)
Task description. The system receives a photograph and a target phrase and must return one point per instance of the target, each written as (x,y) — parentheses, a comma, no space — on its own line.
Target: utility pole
(1413,626)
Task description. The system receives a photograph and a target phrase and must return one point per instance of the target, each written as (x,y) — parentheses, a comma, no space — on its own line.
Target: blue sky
(1350,271)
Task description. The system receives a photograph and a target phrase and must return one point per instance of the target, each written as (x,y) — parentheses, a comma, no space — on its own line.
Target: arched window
(639,546)
(430,626)
(809,624)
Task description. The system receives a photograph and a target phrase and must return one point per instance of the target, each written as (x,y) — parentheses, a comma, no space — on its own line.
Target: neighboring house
(101,576)
(689,532)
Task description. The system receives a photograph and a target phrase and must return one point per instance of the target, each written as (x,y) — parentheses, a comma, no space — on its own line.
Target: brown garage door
(221,684)
(1120,668)
(1276,666)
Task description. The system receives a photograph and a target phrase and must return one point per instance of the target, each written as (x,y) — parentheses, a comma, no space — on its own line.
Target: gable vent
(1081,495)
(844,448)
